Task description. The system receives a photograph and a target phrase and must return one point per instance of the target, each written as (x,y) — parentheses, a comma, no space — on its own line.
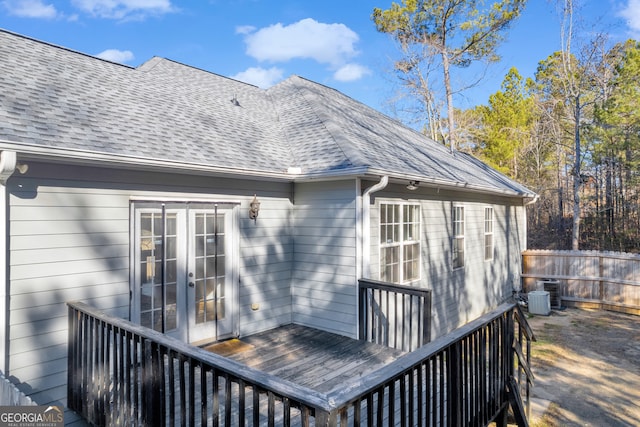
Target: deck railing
(121,373)
(394,315)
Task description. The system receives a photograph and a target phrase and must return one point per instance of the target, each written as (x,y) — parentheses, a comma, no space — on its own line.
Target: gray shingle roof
(168,112)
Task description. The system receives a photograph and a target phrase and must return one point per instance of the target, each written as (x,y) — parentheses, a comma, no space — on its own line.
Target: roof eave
(31,152)
(34,152)
(450,185)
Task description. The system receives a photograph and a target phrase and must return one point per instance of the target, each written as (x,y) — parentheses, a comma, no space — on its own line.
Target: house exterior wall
(69,239)
(463,294)
(324,283)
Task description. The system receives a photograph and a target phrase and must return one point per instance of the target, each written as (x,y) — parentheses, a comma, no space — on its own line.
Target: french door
(185,269)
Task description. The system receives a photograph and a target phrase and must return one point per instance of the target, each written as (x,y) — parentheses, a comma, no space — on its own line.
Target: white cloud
(332,44)
(124,9)
(261,77)
(30,9)
(631,13)
(351,72)
(245,29)
(115,55)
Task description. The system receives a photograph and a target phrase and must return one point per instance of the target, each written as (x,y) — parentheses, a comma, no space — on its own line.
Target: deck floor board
(316,359)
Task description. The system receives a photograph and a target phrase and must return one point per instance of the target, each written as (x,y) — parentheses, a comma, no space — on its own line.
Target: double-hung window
(458,236)
(488,234)
(399,242)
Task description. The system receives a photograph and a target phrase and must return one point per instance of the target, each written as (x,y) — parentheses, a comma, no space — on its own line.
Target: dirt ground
(587,369)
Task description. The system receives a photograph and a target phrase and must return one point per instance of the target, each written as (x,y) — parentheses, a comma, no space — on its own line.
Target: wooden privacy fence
(589,279)
(122,374)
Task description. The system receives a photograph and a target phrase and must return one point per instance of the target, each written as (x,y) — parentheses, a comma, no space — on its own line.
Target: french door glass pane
(158,270)
(209,271)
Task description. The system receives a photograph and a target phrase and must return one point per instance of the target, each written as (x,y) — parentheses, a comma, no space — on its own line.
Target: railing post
(325,419)
(151,389)
(454,389)
(362,312)
(72,360)
(509,338)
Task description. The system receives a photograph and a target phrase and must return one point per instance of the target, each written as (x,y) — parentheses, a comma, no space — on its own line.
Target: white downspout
(8,161)
(366,225)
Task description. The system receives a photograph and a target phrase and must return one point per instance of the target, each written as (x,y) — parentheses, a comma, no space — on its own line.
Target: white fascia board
(448,185)
(32,152)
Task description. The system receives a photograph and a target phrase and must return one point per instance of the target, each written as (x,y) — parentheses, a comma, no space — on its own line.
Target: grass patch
(548,418)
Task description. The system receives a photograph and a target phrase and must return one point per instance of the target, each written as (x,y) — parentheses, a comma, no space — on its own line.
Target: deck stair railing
(122,374)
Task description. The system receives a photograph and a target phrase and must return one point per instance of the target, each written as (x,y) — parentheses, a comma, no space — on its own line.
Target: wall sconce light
(254,208)
(413,185)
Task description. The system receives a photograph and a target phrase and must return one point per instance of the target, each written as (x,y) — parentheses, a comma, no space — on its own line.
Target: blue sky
(264,41)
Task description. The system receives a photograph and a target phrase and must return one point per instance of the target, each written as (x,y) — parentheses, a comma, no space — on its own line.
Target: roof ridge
(352,155)
(440,146)
(59,47)
(269,94)
(156,60)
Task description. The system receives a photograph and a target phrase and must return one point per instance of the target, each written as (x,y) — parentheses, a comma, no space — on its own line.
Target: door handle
(191,284)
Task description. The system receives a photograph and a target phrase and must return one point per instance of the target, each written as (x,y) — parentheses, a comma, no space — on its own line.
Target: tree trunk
(449,95)
(609,196)
(577,179)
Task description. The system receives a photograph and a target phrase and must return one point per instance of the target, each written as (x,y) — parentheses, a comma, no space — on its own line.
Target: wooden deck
(120,373)
(309,357)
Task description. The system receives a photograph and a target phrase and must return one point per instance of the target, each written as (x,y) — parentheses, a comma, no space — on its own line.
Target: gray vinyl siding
(463,294)
(60,252)
(324,278)
(266,252)
(69,238)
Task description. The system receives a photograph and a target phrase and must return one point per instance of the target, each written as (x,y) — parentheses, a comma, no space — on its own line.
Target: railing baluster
(171,386)
(380,407)
(227,401)
(403,401)
(271,409)
(241,402)
(204,415)
(286,411)
(215,401)
(192,391)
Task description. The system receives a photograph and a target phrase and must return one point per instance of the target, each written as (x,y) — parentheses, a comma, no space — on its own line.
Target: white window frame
(395,235)
(457,236)
(489,243)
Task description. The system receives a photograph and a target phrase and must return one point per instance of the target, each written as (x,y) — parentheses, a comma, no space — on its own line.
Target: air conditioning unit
(553,287)
(539,303)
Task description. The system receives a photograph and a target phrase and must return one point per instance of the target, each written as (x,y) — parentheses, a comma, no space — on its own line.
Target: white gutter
(452,185)
(8,161)
(85,157)
(35,152)
(365,221)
